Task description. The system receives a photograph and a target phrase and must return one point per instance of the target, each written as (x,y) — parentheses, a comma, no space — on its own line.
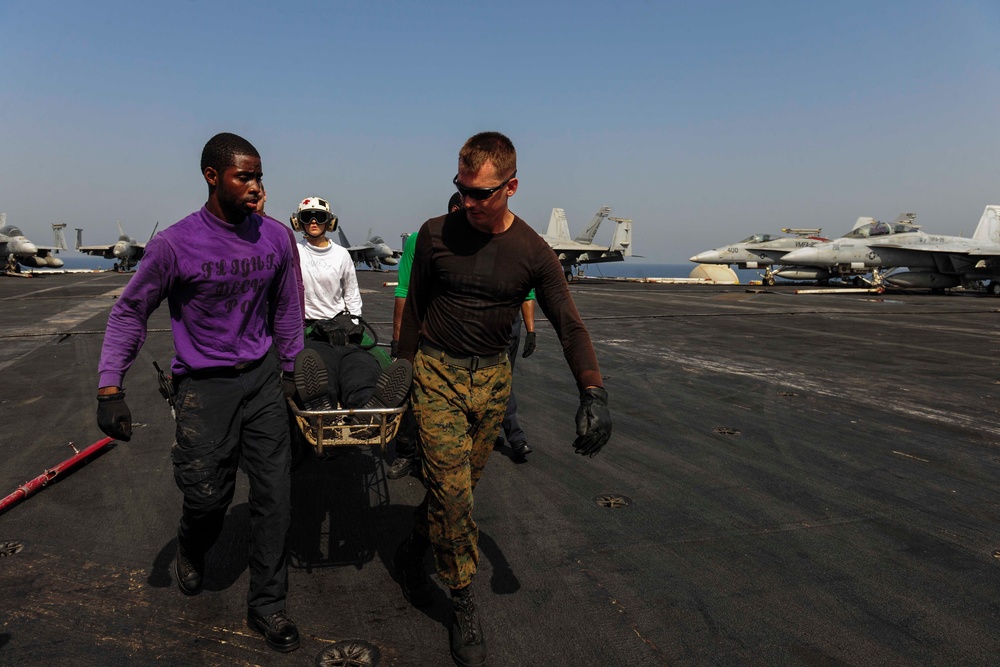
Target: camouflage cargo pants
(458,413)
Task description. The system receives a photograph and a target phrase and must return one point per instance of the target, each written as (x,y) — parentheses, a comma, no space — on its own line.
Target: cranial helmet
(310,208)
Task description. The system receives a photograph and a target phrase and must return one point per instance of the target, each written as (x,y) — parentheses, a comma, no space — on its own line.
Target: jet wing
(97,250)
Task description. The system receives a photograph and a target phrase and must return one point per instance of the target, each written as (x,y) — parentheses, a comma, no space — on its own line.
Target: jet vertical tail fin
(79,238)
(3,219)
(154,231)
(60,237)
(121,232)
(558,227)
(590,231)
(344,243)
(862,221)
(989,225)
(621,240)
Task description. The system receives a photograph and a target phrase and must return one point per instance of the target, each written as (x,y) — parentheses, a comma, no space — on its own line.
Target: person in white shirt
(333,369)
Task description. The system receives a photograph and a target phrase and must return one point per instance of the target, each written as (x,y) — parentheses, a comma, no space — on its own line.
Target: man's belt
(468,363)
(226,371)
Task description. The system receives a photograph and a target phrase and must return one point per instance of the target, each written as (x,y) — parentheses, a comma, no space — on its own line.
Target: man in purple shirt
(228,276)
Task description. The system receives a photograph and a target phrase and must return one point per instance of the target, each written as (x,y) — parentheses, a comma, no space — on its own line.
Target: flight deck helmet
(313,207)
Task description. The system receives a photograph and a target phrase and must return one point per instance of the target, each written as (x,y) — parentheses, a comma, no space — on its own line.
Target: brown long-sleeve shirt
(466,287)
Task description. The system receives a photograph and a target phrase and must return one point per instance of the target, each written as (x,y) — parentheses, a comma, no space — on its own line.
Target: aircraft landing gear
(768,279)
(569,275)
(994,287)
(877,281)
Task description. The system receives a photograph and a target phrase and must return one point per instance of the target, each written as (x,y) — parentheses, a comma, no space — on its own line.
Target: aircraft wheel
(569,276)
(769,281)
(994,288)
(857,281)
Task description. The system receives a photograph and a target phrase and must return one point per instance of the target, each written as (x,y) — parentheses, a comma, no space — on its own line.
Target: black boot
(189,570)
(411,573)
(279,631)
(468,647)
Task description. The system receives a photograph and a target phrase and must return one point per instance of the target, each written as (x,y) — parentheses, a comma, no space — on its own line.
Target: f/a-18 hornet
(573,253)
(126,250)
(374,252)
(934,261)
(762,251)
(18,250)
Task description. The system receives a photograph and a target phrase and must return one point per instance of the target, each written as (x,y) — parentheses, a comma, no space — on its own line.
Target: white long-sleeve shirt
(330,283)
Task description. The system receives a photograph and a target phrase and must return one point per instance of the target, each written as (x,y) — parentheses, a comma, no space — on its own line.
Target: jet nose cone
(707,257)
(121,250)
(801,256)
(25,248)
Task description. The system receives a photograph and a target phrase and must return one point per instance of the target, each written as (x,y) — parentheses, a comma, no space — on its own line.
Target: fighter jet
(582,250)
(761,251)
(19,251)
(375,252)
(126,250)
(935,261)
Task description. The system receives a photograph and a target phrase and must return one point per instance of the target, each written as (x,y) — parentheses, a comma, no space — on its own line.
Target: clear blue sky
(703,121)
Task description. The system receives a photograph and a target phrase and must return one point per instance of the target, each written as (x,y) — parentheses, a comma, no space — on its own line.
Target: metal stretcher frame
(326,429)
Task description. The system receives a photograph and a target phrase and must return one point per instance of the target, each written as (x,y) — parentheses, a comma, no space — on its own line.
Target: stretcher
(325,430)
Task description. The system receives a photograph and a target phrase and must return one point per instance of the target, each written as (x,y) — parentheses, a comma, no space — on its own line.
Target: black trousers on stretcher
(225,416)
(351,373)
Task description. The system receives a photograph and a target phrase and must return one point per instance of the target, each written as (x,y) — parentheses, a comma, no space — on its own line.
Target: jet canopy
(760,238)
(880,229)
(10,230)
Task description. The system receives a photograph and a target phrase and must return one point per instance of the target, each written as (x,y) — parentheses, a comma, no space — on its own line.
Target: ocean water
(79,261)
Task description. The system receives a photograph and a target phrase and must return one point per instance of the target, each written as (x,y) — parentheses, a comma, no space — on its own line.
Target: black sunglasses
(479,193)
(305,217)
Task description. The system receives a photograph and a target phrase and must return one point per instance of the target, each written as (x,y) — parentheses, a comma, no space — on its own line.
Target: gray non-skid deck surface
(811,480)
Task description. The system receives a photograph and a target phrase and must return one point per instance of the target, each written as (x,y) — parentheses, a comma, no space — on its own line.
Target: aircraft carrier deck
(793,479)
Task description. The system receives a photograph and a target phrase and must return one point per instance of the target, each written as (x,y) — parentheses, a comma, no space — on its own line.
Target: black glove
(529,344)
(288,384)
(593,421)
(114,417)
(394,348)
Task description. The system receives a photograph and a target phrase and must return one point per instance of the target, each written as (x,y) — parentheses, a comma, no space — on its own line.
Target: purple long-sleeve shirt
(231,290)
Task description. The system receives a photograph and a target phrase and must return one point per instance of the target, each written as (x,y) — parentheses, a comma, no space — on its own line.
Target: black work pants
(224,416)
(351,373)
(511,424)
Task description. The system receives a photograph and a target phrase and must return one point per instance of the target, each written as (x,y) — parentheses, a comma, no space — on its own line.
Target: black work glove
(529,344)
(593,421)
(394,348)
(114,417)
(288,384)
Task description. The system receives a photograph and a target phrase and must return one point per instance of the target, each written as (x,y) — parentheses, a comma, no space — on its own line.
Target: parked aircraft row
(933,261)
(573,253)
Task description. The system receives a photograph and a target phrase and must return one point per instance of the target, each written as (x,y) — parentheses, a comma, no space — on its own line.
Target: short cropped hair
(491,146)
(221,151)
